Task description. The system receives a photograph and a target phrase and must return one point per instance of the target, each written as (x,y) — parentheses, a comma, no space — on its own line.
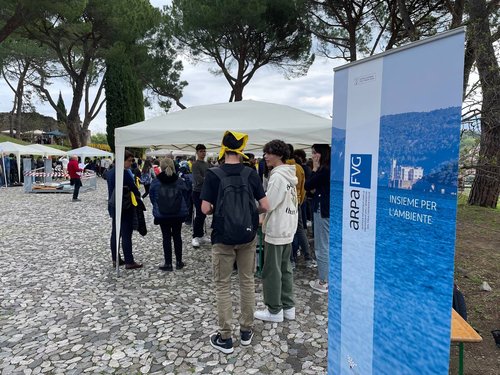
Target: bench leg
(461,358)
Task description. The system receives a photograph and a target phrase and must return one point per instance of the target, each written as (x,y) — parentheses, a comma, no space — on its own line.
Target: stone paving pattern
(63,310)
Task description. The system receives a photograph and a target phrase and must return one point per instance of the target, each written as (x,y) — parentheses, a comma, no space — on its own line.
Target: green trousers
(277,277)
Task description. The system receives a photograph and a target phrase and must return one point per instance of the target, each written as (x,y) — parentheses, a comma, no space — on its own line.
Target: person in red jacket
(74,176)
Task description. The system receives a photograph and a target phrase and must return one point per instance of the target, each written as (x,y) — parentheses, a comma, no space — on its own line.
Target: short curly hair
(278,148)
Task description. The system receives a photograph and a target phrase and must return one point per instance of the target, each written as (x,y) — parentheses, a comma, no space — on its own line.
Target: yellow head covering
(239,137)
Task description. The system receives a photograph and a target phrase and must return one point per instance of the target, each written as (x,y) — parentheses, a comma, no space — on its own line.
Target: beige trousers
(223,257)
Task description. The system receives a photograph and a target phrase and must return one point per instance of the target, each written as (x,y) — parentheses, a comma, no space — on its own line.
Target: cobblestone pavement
(63,310)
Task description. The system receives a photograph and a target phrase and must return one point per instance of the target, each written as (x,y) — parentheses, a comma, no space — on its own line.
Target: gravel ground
(63,310)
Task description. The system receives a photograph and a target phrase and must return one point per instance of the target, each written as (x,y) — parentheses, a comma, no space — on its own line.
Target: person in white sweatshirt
(280,224)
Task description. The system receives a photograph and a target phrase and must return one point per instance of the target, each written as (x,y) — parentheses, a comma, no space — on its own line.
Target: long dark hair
(147,166)
(324,150)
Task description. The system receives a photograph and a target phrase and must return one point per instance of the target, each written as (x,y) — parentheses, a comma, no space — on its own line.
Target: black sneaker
(166,267)
(246,337)
(225,346)
(179,265)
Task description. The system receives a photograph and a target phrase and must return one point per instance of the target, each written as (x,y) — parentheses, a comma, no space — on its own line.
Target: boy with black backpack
(230,193)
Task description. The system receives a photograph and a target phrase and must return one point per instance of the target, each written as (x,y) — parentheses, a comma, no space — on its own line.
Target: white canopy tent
(87,151)
(18,150)
(48,151)
(206,124)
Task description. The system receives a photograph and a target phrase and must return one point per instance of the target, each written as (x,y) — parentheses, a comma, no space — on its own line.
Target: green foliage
(83,38)
(241,36)
(17,13)
(351,30)
(159,70)
(124,100)
(62,114)
(100,138)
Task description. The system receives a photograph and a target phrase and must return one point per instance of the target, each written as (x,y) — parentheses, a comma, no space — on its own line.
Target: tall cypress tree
(124,99)
(62,114)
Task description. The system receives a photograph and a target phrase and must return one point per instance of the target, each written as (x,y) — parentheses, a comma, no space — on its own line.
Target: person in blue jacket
(319,183)
(169,211)
(127,217)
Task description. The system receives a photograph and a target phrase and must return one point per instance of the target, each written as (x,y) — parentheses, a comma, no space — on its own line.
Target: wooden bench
(462,332)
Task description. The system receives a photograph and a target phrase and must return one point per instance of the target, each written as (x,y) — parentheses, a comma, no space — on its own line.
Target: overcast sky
(312,93)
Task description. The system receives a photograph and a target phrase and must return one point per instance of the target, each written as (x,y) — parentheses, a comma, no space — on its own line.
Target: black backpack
(169,199)
(236,218)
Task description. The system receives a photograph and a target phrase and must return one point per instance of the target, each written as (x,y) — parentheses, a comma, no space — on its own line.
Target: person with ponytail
(169,210)
(319,182)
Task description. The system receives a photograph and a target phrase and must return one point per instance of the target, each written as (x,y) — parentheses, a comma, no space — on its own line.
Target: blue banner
(395,142)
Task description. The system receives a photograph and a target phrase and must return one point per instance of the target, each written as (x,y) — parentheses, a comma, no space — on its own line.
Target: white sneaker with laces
(268,317)
(319,285)
(195,242)
(289,314)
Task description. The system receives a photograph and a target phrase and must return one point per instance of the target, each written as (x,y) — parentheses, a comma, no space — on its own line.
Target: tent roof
(12,147)
(48,150)
(206,124)
(88,151)
(55,133)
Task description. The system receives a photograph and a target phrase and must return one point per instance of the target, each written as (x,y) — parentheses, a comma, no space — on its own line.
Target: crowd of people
(8,170)
(279,194)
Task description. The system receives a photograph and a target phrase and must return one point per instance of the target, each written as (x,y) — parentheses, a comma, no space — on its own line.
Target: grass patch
(6,138)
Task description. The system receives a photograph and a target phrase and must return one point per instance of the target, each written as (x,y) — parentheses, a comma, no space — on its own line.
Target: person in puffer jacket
(280,225)
(169,211)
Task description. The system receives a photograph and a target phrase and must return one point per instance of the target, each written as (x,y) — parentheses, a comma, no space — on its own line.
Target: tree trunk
(486,186)
(237,91)
(73,122)
(19,99)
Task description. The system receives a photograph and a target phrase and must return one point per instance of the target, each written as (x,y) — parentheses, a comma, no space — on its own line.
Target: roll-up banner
(395,143)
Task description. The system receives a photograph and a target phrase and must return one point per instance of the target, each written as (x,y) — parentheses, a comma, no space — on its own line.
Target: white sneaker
(268,317)
(204,241)
(311,263)
(289,314)
(195,242)
(319,286)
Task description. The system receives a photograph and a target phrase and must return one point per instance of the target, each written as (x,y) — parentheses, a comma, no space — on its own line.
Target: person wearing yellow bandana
(229,193)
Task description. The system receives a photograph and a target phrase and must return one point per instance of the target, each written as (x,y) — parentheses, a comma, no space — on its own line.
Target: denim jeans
(300,239)
(77,183)
(171,229)
(321,244)
(199,219)
(127,227)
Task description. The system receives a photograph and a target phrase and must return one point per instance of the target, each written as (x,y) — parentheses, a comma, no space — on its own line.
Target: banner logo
(361,171)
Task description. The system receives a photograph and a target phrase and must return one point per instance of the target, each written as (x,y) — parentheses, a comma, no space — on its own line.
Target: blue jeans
(300,239)
(321,244)
(126,230)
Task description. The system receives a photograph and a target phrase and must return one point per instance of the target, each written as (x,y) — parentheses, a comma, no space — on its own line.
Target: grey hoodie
(281,219)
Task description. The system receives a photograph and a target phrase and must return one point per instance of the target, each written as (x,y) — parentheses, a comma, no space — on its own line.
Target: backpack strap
(218,172)
(245,174)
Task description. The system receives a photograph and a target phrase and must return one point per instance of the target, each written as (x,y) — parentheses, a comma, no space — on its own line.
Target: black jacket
(320,182)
